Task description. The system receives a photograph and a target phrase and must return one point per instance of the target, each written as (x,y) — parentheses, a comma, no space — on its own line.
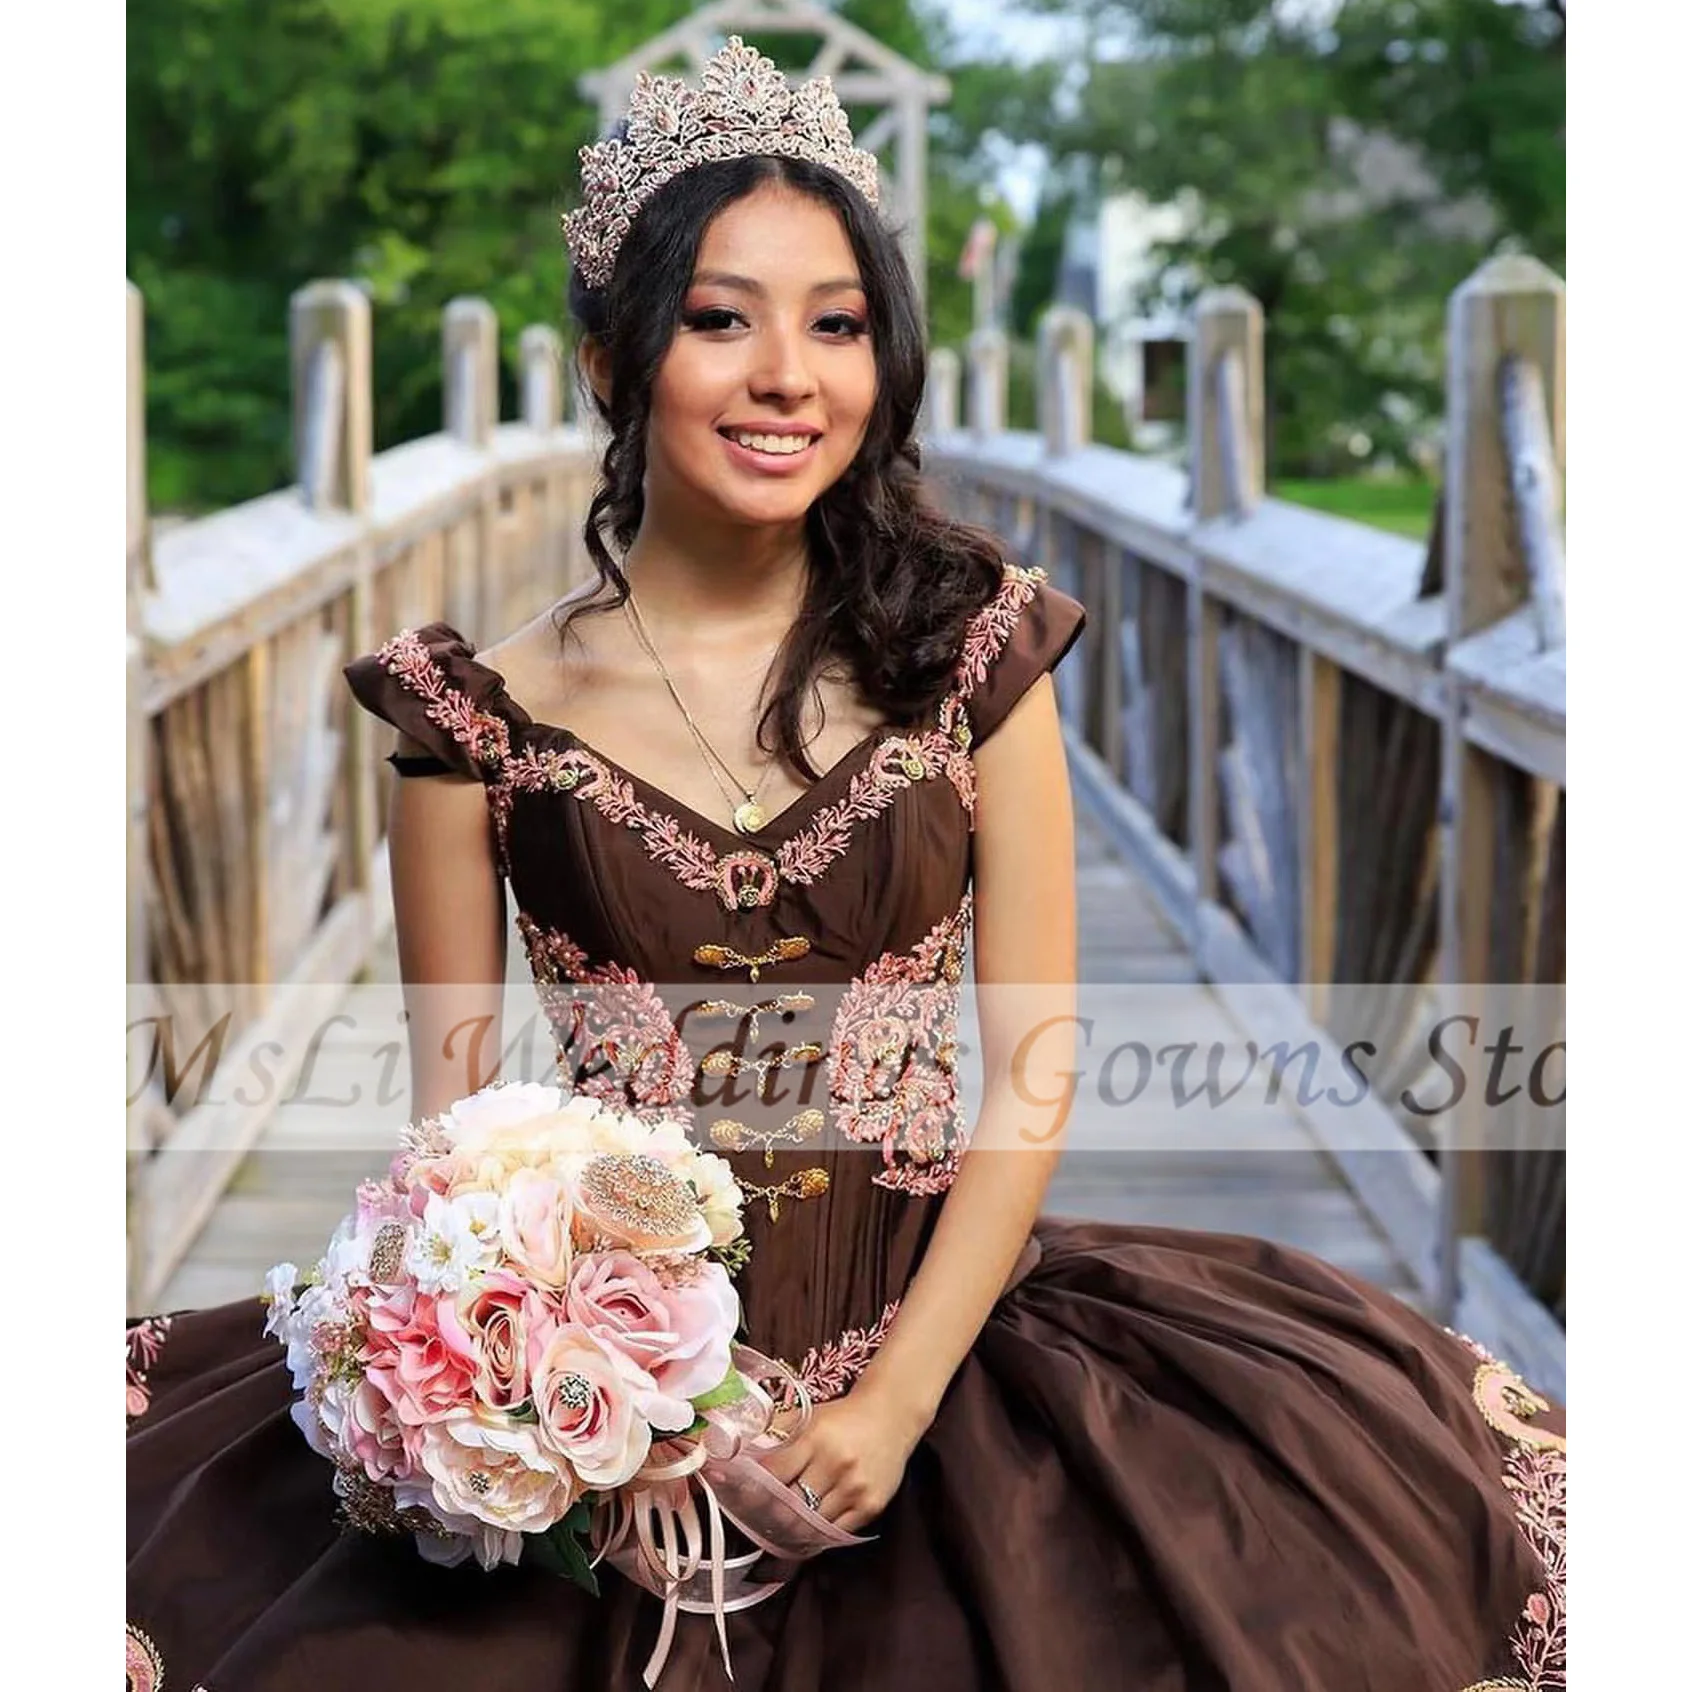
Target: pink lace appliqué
(991,626)
(740,880)
(615,1036)
(747,879)
(1536,1475)
(142,1664)
(899,762)
(892,1055)
(828,1370)
(146,1338)
(482,734)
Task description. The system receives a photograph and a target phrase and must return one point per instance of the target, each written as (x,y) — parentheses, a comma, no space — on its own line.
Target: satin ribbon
(650,1530)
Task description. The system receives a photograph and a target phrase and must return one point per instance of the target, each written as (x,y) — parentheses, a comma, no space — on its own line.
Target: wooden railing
(1336,754)
(257,879)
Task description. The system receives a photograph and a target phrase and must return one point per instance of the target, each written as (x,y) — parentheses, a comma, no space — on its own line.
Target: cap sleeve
(427,684)
(1024,631)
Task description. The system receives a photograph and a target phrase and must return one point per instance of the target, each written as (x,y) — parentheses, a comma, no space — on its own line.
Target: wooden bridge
(1319,775)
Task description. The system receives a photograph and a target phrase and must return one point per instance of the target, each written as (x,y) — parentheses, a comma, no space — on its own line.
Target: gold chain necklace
(748,813)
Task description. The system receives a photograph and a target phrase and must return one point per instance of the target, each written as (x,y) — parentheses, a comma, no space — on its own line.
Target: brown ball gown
(1173,1461)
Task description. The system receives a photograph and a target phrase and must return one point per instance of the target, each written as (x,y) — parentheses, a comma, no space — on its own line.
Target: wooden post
(1112,693)
(540,356)
(989,377)
(333,448)
(1064,379)
(138,968)
(475,592)
(913,188)
(470,370)
(1204,748)
(940,399)
(1319,688)
(1512,307)
(329,359)
(1225,404)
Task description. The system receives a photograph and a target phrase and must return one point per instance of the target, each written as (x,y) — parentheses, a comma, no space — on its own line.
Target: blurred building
(1109,271)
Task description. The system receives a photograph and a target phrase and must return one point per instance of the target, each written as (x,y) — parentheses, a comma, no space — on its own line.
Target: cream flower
(279,1290)
(534,1226)
(490,1470)
(500,1106)
(720,1197)
(458,1237)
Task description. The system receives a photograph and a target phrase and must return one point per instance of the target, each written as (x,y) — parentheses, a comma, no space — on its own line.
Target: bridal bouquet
(521,1343)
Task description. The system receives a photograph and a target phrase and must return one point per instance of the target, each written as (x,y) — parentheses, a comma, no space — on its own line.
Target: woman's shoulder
(449,700)
(1025,629)
(531,658)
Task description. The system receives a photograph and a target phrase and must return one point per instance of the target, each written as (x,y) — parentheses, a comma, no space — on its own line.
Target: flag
(977,249)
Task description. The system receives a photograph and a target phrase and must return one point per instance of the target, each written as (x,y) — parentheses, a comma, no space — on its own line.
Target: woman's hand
(852,1454)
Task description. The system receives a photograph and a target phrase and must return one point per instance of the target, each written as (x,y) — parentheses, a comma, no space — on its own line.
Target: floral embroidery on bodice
(888,1046)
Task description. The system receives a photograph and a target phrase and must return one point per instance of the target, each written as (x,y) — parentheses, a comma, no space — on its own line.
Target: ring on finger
(809,1494)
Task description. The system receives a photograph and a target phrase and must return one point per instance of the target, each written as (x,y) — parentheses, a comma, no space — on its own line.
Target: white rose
(720,1197)
(494,1473)
(316,1305)
(279,1285)
(501,1106)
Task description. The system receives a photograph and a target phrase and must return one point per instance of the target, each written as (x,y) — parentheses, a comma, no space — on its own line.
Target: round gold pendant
(749,817)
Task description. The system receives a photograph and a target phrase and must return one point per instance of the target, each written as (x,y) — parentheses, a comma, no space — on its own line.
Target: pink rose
(679,1334)
(490,1324)
(423,1371)
(374,1434)
(534,1226)
(593,1405)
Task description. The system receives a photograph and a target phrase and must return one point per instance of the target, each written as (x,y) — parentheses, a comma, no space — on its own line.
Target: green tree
(425,147)
(1254,108)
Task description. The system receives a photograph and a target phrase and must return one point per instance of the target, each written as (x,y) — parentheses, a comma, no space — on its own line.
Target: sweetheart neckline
(777,827)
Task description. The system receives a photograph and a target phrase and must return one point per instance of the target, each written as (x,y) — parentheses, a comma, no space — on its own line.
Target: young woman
(795,746)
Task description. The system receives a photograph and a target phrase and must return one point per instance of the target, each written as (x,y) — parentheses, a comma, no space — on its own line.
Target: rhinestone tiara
(743,107)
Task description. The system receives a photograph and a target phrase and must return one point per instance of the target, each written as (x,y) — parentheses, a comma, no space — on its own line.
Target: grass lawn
(1405,507)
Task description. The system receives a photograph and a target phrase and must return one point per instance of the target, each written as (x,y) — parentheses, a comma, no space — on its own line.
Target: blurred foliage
(1243,106)
(1403,504)
(1022,406)
(425,148)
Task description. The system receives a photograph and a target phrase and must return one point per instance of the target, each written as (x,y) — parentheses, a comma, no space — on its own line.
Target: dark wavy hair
(892,581)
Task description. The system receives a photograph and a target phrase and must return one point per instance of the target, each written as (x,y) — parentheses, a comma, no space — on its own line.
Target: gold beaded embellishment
(783,1004)
(387,1253)
(784,950)
(807,1184)
(727,1063)
(795,1131)
(638,1192)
